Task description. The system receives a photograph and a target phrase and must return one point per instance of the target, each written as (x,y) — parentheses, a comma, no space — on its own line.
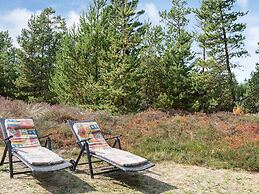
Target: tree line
(113,61)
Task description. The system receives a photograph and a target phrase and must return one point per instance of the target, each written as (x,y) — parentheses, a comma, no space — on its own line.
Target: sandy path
(165,177)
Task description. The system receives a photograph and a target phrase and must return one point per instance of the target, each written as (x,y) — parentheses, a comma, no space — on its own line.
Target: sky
(14,15)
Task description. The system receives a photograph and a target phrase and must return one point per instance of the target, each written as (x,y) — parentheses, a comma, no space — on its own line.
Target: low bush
(220,140)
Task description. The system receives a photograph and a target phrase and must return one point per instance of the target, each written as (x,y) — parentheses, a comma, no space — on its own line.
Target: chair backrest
(89,129)
(23,132)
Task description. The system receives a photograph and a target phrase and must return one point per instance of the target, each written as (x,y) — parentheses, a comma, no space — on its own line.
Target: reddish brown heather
(181,136)
(234,130)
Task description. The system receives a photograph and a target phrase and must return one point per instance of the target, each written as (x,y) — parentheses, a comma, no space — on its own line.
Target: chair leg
(75,163)
(117,140)
(90,166)
(119,143)
(49,146)
(89,161)
(10,156)
(4,155)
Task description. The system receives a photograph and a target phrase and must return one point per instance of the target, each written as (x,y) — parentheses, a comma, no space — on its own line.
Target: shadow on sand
(66,182)
(140,182)
(62,182)
(54,182)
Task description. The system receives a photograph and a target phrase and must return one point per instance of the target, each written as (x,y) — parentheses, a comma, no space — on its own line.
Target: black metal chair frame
(84,149)
(8,149)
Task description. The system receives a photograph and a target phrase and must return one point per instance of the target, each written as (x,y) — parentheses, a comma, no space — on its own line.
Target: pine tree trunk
(230,76)
(204,57)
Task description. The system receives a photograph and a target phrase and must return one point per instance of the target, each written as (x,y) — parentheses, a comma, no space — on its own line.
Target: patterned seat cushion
(90,130)
(120,157)
(23,132)
(38,156)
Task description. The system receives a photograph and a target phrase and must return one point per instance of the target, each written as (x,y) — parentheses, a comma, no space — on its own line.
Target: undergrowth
(219,140)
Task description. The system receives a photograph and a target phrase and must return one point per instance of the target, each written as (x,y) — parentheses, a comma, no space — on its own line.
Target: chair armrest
(116,140)
(45,136)
(84,140)
(113,137)
(8,138)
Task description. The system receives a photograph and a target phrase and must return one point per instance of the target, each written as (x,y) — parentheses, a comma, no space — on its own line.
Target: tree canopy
(114,60)
(37,55)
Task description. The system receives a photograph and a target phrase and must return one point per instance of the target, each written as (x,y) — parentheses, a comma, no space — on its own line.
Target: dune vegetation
(221,140)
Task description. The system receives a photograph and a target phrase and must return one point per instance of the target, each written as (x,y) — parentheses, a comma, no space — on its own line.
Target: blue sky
(14,15)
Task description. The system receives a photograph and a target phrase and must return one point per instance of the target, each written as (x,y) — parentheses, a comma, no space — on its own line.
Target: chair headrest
(92,126)
(19,124)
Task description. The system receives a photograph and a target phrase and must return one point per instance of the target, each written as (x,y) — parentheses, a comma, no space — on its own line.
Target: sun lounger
(93,144)
(22,141)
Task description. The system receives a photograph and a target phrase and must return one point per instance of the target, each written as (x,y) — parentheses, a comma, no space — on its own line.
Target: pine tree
(222,35)
(252,101)
(37,55)
(123,70)
(209,87)
(7,65)
(177,56)
(151,66)
(254,90)
(78,77)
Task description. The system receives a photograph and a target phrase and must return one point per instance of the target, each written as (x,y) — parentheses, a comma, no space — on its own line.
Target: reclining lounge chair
(93,144)
(22,141)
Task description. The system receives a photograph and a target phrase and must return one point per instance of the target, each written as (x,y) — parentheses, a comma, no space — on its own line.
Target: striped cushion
(19,124)
(90,130)
(38,156)
(23,132)
(120,157)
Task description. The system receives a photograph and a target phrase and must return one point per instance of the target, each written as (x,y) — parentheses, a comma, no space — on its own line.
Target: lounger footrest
(137,168)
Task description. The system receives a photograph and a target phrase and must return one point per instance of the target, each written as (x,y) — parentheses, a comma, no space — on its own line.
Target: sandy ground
(165,177)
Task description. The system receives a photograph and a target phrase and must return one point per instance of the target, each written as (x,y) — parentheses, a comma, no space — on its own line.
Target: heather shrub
(222,140)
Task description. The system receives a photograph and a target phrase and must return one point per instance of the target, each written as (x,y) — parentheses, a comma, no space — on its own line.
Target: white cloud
(252,39)
(72,18)
(17,19)
(248,67)
(14,21)
(243,4)
(152,13)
